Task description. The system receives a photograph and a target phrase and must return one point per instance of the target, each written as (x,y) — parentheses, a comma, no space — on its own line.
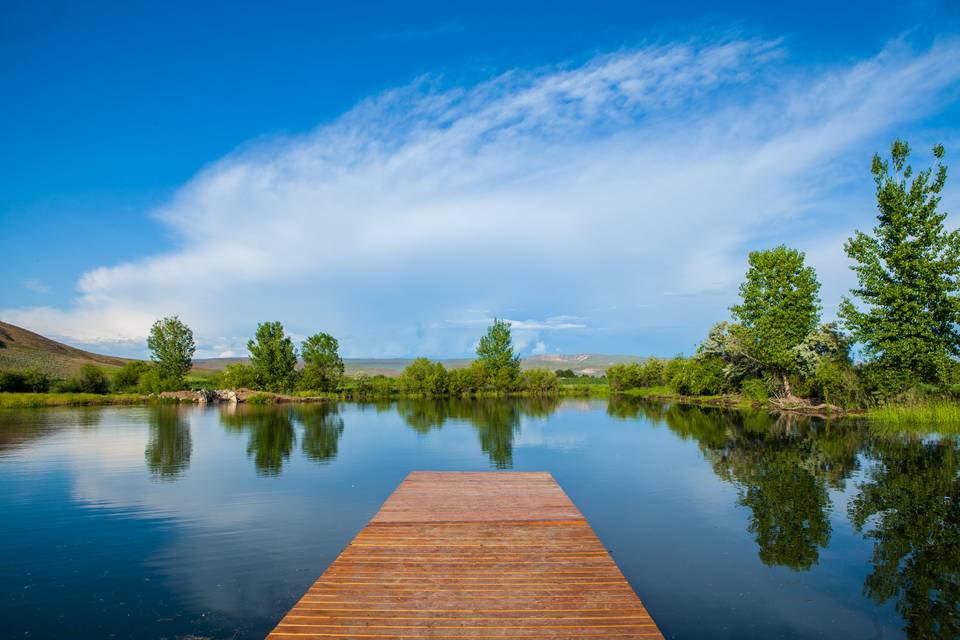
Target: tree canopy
(171,348)
(322,364)
(500,365)
(273,357)
(908,274)
(780,306)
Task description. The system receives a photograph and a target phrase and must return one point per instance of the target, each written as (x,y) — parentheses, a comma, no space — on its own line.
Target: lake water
(166,522)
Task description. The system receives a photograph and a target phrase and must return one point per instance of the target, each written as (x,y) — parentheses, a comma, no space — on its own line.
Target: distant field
(22,349)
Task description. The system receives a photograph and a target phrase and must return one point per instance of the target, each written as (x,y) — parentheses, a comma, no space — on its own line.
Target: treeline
(273,360)
(275,365)
(902,321)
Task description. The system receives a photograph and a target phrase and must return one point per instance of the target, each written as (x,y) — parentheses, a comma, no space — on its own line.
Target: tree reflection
(910,508)
(322,428)
(782,468)
(170,446)
(496,420)
(271,434)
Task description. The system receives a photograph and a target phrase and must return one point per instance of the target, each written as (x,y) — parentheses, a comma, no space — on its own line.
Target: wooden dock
(472,555)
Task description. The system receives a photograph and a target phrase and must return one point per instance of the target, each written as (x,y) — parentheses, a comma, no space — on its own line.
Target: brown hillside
(21,349)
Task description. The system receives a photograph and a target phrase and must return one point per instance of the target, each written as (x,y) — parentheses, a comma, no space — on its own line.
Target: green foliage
(322,365)
(258,399)
(780,306)
(755,389)
(237,376)
(90,379)
(273,357)
(64,399)
(30,380)
(501,367)
(701,376)
(649,373)
(908,276)
(566,373)
(128,376)
(539,382)
(424,378)
(465,381)
(171,348)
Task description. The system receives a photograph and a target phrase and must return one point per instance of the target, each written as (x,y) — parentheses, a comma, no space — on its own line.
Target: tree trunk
(786,387)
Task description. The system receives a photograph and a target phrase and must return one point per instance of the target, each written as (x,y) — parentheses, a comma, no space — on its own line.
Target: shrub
(27,381)
(465,381)
(540,382)
(237,376)
(90,379)
(423,377)
(702,376)
(623,376)
(128,376)
(755,389)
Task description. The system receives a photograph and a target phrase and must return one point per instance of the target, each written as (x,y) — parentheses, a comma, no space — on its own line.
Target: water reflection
(901,494)
(271,432)
(169,446)
(910,508)
(497,421)
(322,429)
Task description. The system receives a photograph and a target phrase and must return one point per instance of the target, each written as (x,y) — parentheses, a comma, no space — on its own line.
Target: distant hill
(21,349)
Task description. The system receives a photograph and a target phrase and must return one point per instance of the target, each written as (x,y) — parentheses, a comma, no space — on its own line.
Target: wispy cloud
(36,286)
(557,189)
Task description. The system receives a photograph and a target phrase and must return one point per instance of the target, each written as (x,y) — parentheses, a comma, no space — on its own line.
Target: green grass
(26,400)
(934,417)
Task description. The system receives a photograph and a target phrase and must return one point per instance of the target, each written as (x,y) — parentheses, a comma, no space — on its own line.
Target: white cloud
(539,349)
(631,179)
(36,286)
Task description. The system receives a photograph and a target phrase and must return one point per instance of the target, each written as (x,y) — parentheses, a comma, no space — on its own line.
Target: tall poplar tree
(908,275)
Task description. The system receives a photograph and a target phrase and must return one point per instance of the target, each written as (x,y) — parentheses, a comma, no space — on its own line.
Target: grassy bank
(26,400)
(940,417)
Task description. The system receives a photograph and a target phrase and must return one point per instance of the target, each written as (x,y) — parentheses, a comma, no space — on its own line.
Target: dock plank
(472,555)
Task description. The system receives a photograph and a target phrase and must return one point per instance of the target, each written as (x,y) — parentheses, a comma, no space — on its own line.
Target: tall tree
(500,366)
(273,356)
(908,275)
(171,348)
(780,307)
(322,365)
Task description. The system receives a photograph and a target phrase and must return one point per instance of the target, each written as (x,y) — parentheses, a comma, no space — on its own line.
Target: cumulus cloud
(638,180)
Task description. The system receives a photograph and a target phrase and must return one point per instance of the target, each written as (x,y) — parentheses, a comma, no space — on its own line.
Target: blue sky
(595,172)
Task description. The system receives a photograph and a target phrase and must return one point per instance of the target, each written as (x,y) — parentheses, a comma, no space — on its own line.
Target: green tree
(780,306)
(322,365)
(90,379)
(539,382)
(128,376)
(237,376)
(273,357)
(424,377)
(171,348)
(908,275)
(501,367)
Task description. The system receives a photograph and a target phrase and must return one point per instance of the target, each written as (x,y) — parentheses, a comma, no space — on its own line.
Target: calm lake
(166,522)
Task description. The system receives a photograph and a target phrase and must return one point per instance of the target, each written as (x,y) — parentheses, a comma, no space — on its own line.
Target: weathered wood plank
(472,555)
